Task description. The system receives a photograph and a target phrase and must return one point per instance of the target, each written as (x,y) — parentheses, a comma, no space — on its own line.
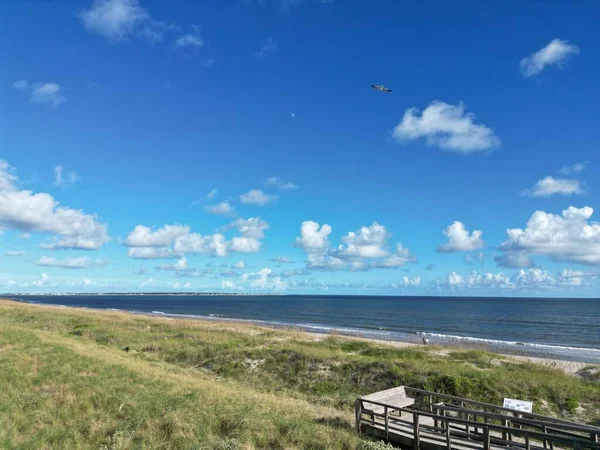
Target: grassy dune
(66,382)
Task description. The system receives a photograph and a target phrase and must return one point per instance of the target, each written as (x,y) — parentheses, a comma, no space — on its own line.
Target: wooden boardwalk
(418,419)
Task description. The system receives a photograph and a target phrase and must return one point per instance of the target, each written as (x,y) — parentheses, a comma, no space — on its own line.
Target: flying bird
(381,88)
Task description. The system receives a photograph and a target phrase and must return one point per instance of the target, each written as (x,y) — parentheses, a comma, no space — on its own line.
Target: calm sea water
(563,328)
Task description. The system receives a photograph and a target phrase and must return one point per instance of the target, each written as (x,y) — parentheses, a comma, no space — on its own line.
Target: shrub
(375,445)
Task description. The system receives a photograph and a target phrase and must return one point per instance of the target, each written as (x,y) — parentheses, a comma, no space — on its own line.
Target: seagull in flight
(381,88)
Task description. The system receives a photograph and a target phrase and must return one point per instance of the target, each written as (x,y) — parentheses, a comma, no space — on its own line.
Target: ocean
(559,328)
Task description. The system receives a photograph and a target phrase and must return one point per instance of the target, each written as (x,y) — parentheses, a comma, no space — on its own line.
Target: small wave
(507,343)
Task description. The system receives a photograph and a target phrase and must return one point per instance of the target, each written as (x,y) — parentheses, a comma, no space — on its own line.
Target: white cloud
(150,282)
(173,241)
(43,281)
(139,271)
(24,235)
(28,212)
(550,186)
(192,39)
(360,250)
(213,244)
(459,239)
(114,19)
(239,265)
(258,197)
(143,236)
(84,282)
(268,47)
(313,236)
(15,253)
(228,284)
(63,179)
(446,126)
(524,279)
(223,208)
(177,285)
(263,280)
(279,183)
(212,194)
(566,237)
(367,242)
(48,93)
(575,168)
(253,227)
(70,263)
(410,282)
(181,265)
(555,53)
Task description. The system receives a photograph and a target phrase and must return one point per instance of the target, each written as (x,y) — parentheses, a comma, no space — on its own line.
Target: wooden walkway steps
(419,419)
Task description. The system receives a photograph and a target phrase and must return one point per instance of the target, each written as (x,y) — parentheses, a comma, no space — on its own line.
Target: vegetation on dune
(192,384)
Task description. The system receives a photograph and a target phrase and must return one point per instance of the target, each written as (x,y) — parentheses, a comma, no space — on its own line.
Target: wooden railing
(425,399)
(453,424)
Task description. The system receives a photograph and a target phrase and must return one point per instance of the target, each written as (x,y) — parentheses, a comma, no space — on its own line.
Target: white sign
(518,405)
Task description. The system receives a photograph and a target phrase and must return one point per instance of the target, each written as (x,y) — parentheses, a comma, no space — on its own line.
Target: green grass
(67,382)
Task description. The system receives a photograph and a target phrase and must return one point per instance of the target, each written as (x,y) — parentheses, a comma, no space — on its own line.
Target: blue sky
(238,146)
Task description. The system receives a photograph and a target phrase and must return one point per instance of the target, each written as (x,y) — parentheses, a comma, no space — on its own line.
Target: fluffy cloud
(550,186)
(28,212)
(446,126)
(566,237)
(15,253)
(460,240)
(62,178)
(47,93)
(313,236)
(368,242)
(268,47)
(223,208)
(70,263)
(118,20)
(143,236)
(575,168)
(177,285)
(409,282)
(114,19)
(172,241)
(212,194)
(360,250)
(258,197)
(555,53)
(280,184)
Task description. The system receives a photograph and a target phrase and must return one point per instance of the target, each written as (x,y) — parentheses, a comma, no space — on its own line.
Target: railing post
(486,438)
(527,446)
(448,437)
(358,413)
(505,424)
(387,419)
(416,431)
(545,431)
(577,445)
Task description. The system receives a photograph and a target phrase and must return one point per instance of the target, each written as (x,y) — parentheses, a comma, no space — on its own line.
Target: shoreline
(570,367)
